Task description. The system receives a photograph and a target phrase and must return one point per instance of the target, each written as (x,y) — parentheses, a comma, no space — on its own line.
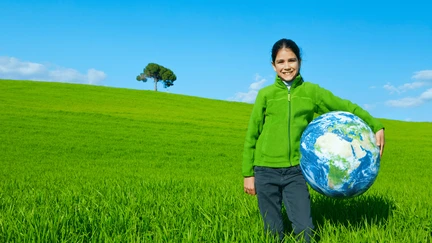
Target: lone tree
(157,73)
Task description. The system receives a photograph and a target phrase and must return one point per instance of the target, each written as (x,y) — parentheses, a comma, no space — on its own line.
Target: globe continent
(339,155)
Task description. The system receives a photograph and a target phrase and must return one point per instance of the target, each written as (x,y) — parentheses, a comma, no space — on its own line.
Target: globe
(339,155)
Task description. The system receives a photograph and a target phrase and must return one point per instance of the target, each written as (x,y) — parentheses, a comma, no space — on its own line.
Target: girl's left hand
(380,140)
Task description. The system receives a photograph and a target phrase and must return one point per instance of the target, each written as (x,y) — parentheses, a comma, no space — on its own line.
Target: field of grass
(83,163)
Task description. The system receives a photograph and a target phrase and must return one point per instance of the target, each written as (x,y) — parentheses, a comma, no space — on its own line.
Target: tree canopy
(157,73)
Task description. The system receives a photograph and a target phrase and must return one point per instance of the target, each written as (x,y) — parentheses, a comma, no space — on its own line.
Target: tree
(157,73)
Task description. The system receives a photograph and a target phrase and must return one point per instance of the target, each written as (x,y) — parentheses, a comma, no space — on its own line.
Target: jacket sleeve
(255,127)
(327,101)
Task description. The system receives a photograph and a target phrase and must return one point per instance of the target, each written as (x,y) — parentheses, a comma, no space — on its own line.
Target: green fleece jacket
(279,118)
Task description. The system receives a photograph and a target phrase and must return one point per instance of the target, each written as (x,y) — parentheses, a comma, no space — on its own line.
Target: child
(272,148)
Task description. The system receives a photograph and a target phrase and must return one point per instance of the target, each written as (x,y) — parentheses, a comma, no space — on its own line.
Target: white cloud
(369,106)
(13,68)
(427,95)
(423,75)
(95,76)
(405,102)
(413,85)
(258,84)
(391,88)
(405,87)
(411,101)
(250,96)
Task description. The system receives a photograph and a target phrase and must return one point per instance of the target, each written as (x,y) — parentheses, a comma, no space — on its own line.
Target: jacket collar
(296,82)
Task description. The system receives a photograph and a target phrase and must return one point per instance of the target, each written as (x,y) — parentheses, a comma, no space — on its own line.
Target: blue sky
(377,54)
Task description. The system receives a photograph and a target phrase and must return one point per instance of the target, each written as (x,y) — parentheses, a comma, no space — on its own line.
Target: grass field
(86,163)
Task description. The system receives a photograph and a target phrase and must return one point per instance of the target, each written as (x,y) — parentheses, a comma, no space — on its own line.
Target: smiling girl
(272,148)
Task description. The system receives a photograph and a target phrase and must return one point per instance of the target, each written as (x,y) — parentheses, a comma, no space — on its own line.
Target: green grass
(85,163)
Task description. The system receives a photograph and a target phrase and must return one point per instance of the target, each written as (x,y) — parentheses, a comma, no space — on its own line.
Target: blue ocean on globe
(339,155)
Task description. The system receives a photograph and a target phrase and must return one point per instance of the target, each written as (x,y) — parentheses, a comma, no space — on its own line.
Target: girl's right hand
(380,141)
(249,185)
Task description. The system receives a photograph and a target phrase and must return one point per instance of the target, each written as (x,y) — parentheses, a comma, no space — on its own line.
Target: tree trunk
(155,81)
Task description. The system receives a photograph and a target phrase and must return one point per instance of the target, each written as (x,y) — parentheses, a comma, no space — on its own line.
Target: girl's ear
(274,67)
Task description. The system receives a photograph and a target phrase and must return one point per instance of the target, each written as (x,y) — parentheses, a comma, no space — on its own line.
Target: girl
(272,148)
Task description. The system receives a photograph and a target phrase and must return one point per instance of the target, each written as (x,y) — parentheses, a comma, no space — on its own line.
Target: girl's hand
(249,185)
(380,140)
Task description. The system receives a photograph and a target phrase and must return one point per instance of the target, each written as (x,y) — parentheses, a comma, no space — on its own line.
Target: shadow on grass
(357,211)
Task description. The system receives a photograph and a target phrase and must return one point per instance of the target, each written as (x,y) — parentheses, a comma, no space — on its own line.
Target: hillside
(66,123)
(89,163)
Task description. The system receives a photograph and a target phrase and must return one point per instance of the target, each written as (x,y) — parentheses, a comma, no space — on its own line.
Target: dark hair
(285,43)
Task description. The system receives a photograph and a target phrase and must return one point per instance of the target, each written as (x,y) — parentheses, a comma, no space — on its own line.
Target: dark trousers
(287,185)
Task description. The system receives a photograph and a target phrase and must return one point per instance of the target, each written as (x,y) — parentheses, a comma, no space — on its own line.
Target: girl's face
(286,64)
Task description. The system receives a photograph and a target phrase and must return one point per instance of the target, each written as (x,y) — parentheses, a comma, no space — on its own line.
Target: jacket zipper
(289,121)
